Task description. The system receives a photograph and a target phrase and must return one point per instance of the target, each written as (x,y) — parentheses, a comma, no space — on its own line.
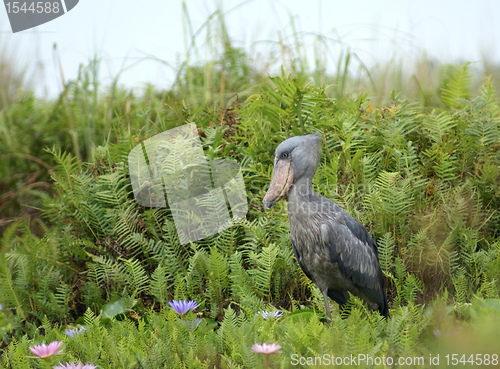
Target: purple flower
(74,366)
(193,324)
(270,314)
(1,306)
(44,351)
(181,307)
(266,348)
(72,332)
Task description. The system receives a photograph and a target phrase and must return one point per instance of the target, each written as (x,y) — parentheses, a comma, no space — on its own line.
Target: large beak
(280,183)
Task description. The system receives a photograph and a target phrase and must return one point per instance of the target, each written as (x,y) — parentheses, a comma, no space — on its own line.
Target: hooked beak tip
(268,204)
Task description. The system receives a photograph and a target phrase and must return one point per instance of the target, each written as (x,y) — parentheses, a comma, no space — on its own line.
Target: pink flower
(43,351)
(74,366)
(266,348)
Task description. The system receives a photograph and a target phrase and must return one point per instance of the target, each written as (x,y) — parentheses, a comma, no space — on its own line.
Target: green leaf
(303,316)
(120,306)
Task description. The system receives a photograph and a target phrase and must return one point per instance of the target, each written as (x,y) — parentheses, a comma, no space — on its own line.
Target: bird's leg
(327,308)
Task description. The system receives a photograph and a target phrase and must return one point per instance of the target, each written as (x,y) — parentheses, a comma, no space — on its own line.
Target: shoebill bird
(334,250)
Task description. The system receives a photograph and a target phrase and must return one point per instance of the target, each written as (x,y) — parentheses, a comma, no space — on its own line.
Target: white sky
(125,31)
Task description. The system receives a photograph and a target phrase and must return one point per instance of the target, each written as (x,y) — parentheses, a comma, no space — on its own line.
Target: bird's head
(294,158)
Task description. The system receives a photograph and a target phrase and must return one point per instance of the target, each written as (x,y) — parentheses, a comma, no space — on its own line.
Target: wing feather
(355,251)
(302,266)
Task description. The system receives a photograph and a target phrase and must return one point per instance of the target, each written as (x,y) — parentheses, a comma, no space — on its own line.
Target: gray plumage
(333,249)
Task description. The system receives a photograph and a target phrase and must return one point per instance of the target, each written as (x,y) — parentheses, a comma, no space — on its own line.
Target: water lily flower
(266,348)
(74,366)
(270,314)
(72,332)
(46,351)
(181,307)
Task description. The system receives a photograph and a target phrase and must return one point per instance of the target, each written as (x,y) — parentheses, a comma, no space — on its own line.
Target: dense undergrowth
(423,175)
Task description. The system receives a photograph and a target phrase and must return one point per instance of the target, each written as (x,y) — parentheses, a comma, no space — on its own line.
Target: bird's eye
(284,155)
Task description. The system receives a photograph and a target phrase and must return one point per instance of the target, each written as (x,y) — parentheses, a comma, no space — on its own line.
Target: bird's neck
(301,191)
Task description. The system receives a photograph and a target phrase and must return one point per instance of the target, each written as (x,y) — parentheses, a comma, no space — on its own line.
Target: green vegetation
(421,170)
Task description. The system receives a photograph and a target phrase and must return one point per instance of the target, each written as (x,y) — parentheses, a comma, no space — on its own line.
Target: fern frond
(485,130)
(159,285)
(457,87)
(262,275)
(218,270)
(385,250)
(67,168)
(11,296)
(438,127)
(135,276)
